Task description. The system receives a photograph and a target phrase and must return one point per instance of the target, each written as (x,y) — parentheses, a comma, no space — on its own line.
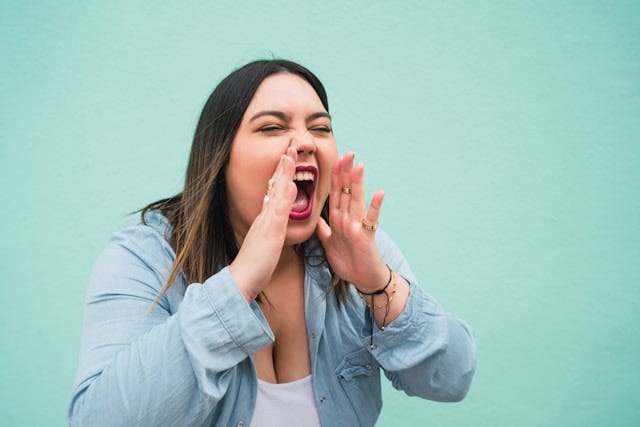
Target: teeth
(303,176)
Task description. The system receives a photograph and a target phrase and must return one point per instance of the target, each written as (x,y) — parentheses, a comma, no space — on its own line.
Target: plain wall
(506,135)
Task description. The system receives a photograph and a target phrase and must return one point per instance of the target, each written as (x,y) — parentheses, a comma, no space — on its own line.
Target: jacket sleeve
(170,366)
(424,351)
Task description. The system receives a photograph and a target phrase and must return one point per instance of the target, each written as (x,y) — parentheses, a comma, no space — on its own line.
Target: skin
(284,113)
(285,126)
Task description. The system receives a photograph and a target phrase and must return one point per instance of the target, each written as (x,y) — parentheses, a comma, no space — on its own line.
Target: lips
(305,180)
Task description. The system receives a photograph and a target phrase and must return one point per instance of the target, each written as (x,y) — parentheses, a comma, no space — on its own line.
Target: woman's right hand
(262,246)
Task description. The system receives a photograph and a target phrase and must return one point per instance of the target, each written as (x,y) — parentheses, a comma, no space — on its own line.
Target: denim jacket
(188,362)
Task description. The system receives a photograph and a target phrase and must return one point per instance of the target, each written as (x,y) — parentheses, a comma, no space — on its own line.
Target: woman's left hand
(349,240)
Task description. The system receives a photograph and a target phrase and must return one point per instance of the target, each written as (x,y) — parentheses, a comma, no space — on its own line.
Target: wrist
(387,303)
(243,282)
(378,282)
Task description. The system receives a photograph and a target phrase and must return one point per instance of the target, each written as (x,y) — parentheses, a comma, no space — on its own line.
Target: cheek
(243,189)
(247,181)
(248,168)
(246,184)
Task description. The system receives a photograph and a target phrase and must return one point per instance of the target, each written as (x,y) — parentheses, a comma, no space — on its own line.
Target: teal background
(506,135)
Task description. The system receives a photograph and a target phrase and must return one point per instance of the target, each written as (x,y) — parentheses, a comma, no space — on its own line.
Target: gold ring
(368,226)
(346,190)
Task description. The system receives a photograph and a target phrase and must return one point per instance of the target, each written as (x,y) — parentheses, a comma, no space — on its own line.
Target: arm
(173,366)
(424,351)
(162,368)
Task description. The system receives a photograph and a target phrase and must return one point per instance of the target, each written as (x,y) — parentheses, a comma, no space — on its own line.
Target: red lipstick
(305,180)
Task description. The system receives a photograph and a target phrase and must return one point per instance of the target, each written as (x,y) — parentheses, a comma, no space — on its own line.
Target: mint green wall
(507,137)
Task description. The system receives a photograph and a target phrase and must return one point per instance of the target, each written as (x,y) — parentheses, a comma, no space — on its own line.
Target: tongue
(302,201)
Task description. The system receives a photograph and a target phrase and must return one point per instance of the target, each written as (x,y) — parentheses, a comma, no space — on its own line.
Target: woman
(263,293)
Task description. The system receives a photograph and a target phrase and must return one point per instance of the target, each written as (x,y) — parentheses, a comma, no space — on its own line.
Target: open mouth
(305,180)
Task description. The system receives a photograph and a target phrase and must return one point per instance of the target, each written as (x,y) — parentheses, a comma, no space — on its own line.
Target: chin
(298,232)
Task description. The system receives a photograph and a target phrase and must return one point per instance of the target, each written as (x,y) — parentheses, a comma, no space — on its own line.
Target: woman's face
(285,111)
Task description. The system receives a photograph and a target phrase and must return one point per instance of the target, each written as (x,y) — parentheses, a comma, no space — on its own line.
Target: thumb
(323,231)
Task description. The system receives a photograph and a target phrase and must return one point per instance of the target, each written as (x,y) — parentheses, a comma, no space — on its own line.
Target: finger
(282,190)
(291,152)
(334,193)
(286,167)
(357,206)
(373,213)
(323,231)
(345,182)
(285,189)
(277,171)
(281,165)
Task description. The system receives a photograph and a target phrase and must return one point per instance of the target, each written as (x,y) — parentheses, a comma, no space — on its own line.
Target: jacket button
(240,423)
(323,399)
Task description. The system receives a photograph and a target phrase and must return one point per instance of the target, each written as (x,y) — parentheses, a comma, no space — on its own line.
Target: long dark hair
(201,233)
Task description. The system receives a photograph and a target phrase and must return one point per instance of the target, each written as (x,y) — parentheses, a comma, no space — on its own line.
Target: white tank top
(285,404)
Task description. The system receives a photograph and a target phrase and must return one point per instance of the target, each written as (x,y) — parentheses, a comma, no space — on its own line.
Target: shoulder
(135,262)
(153,231)
(139,243)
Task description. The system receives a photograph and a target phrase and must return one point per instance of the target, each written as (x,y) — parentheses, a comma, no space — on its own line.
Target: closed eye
(271,128)
(321,129)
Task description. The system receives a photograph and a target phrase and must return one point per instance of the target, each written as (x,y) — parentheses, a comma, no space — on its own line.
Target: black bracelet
(372,305)
(381,290)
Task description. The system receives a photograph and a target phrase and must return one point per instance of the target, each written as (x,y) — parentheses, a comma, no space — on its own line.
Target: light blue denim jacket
(189,361)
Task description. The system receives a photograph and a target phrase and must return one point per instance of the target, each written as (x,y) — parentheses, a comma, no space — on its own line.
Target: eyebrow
(283,116)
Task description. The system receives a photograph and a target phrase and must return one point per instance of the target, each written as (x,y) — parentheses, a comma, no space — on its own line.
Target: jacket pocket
(359,376)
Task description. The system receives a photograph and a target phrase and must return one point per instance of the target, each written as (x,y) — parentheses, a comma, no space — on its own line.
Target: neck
(288,272)
(288,259)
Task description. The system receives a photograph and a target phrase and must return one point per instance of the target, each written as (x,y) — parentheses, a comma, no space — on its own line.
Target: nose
(303,143)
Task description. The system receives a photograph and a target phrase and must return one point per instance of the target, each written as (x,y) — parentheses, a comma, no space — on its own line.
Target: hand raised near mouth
(349,238)
(260,251)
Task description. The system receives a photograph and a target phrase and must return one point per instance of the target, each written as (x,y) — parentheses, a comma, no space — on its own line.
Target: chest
(288,358)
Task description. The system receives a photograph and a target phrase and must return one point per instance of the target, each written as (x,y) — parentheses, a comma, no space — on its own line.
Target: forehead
(285,92)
